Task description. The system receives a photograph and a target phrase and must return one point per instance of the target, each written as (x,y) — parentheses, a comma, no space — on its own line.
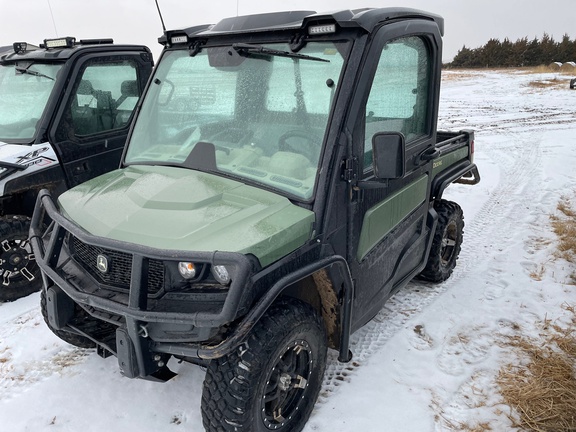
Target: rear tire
(270,382)
(19,272)
(446,244)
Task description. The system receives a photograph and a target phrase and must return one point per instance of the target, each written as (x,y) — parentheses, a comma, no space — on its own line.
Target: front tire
(270,382)
(446,244)
(19,272)
(71,338)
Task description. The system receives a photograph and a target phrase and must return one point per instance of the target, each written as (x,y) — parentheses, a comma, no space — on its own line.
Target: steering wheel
(303,142)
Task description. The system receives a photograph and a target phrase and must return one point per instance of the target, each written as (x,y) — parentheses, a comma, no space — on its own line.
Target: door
(93,121)
(388,217)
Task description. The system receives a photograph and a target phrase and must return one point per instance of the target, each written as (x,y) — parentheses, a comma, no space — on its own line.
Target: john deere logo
(102,263)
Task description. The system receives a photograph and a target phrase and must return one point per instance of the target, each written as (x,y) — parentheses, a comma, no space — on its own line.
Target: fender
(453,175)
(18,160)
(249,321)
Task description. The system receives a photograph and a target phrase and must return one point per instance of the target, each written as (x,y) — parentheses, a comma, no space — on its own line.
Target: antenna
(52,15)
(161,19)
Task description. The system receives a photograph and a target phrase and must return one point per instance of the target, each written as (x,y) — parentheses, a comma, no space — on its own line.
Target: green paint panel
(383,217)
(447,160)
(176,208)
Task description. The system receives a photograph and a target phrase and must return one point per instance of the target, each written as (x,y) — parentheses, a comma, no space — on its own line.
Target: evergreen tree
(520,53)
(463,58)
(565,49)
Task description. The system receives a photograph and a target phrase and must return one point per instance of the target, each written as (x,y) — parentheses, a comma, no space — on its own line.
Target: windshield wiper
(243,48)
(24,70)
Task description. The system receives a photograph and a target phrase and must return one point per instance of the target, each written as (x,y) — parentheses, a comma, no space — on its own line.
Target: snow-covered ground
(428,360)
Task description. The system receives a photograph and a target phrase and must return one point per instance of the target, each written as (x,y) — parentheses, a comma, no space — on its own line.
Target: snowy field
(428,361)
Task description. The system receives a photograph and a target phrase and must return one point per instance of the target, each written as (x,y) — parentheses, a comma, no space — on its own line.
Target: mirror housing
(389,156)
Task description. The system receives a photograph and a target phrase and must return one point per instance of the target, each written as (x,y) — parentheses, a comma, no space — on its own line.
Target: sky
(467,22)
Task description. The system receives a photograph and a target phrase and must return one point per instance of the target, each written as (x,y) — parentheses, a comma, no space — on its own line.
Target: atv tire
(19,272)
(71,338)
(446,244)
(271,381)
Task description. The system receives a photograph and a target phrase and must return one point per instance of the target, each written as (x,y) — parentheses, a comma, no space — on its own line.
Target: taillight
(472,151)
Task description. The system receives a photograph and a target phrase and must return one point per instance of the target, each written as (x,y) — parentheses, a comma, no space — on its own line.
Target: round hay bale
(555,66)
(568,67)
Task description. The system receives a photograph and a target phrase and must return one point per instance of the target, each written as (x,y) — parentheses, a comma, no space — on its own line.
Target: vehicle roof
(60,54)
(367,19)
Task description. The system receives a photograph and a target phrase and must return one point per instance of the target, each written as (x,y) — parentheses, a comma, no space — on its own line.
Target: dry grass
(546,69)
(538,273)
(457,74)
(543,390)
(560,83)
(564,226)
(452,425)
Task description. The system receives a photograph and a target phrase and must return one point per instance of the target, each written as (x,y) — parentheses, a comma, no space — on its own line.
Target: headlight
(187,270)
(221,274)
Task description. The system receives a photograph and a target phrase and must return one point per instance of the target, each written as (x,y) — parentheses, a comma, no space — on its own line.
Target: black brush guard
(139,355)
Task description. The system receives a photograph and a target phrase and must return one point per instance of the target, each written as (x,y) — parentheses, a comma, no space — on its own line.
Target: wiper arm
(32,72)
(243,48)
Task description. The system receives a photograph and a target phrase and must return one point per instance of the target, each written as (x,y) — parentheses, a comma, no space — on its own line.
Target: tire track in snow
(491,227)
(23,365)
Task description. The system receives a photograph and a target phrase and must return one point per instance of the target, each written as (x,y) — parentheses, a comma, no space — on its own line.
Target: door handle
(429,154)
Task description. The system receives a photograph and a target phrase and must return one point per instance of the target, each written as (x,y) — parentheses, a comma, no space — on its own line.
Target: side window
(398,100)
(104,97)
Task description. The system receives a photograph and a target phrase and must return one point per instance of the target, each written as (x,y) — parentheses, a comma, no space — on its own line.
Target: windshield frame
(342,46)
(38,114)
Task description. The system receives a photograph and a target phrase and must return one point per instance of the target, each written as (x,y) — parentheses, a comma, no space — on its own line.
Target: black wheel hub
(286,385)
(15,256)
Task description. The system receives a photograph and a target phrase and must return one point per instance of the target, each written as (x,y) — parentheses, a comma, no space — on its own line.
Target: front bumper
(149,315)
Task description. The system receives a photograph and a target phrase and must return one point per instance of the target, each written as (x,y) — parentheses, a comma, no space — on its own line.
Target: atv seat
(93,111)
(125,104)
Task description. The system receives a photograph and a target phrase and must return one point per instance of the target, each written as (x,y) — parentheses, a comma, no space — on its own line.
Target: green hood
(175,208)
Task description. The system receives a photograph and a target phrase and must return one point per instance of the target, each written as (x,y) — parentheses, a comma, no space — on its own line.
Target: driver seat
(288,164)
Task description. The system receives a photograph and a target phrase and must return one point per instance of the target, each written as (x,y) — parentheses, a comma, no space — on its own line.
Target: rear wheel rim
(449,240)
(286,385)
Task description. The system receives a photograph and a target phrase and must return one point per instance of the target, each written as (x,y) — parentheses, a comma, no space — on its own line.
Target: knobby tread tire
(449,213)
(71,338)
(16,227)
(234,384)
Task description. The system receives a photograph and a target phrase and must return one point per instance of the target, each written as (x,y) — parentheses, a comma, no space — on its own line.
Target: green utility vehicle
(283,178)
(65,111)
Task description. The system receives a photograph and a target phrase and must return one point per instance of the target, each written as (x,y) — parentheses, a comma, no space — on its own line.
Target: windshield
(24,92)
(248,111)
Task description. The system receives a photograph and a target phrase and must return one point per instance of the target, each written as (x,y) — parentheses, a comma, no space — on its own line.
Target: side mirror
(389,155)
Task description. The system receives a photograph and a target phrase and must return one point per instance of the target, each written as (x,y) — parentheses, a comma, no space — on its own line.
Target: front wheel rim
(286,385)
(15,257)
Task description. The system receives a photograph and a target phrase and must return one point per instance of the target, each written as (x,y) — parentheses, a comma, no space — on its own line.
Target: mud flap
(127,360)
(59,307)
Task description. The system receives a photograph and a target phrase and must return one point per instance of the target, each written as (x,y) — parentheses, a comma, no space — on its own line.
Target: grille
(120,266)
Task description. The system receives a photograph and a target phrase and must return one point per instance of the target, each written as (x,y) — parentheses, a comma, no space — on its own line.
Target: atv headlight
(221,274)
(187,269)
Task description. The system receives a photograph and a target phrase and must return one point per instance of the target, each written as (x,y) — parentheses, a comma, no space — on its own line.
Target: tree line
(523,52)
